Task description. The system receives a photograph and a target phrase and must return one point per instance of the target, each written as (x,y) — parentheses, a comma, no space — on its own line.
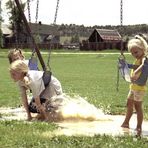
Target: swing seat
(33,64)
(144,74)
(46,77)
(124,70)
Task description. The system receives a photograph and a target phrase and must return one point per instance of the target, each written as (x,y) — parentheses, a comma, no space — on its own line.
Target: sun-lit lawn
(92,76)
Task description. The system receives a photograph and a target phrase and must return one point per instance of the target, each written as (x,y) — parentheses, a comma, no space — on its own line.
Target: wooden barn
(102,39)
(104,35)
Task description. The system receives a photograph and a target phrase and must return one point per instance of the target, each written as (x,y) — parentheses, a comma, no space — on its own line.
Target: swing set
(35,46)
(33,60)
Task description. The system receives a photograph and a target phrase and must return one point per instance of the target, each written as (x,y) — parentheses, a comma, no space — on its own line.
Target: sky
(88,12)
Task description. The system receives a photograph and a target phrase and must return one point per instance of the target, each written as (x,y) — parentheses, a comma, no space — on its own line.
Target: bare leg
(139,110)
(129,113)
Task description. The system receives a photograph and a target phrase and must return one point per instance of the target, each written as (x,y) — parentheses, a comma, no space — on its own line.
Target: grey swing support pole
(30,34)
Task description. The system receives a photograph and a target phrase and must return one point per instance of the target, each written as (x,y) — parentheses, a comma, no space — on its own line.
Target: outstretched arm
(25,104)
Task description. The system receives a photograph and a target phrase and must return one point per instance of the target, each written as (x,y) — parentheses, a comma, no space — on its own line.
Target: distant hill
(82,31)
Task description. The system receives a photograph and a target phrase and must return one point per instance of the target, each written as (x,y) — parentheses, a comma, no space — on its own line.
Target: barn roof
(107,35)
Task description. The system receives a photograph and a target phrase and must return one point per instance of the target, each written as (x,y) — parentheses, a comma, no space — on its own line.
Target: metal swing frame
(31,36)
(33,61)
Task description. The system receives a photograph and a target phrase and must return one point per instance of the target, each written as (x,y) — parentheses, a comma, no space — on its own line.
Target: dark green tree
(75,39)
(17,25)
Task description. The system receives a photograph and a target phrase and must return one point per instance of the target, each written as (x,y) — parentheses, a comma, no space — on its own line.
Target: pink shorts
(136,95)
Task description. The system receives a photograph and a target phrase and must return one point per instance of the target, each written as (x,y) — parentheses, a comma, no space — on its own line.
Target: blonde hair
(19,66)
(138,42)
(12,52)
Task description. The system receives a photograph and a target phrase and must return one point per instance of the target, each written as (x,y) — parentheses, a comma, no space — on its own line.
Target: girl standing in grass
(138,49)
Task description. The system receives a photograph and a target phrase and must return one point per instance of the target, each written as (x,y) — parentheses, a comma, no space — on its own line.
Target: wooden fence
(95,46)
(101,45)
(41,46)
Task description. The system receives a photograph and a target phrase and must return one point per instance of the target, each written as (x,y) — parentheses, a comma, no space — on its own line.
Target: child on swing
(33,80)
(17,54)
(138,49)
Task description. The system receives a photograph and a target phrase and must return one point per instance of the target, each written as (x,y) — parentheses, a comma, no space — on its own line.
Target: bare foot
(139,131)
(125,125)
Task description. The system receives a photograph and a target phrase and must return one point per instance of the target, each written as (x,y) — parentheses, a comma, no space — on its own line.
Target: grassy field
(92,76)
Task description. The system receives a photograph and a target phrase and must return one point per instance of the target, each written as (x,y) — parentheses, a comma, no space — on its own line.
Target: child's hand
(134,77)
(46,117)
(43,112)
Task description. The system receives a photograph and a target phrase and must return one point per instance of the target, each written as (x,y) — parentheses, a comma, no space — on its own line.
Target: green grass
(24,135)
(92,76)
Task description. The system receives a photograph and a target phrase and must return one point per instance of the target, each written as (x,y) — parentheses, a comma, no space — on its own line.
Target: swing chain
(48,61)
(37,10)
(28,6)
(36,18)
(121,57)
(56,12)
(117,83)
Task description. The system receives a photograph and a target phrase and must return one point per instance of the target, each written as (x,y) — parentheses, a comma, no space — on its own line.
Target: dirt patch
(12,114)
(112,126)
(107,124)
